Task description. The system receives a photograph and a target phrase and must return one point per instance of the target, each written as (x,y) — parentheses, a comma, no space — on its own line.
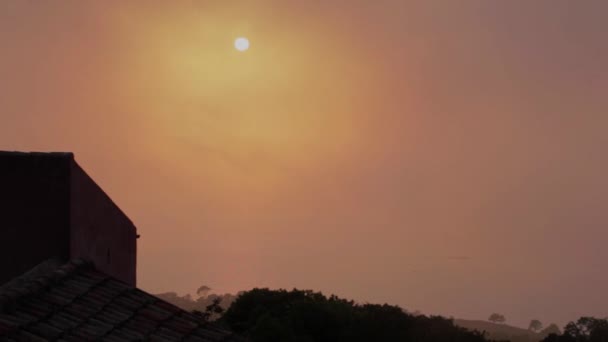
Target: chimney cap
(37,154)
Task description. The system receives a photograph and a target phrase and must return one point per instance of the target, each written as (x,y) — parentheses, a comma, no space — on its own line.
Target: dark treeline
(307,316)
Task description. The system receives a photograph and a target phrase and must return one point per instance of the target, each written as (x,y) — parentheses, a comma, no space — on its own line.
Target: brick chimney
(50,208)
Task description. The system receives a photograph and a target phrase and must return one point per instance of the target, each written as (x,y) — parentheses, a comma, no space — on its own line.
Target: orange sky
(446,157)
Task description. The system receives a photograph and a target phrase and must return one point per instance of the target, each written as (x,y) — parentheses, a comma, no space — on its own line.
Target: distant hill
(187,302)
(505,332)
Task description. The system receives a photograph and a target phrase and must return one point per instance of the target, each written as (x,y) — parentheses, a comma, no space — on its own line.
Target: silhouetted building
(52,209)
(68,261)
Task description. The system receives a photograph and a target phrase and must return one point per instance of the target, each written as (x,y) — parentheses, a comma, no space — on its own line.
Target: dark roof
(74,302)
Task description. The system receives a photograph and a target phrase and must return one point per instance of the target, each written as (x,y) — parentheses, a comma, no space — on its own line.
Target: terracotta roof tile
(63,321)
(6,327)
(45,329)
(77,303)
(23,335)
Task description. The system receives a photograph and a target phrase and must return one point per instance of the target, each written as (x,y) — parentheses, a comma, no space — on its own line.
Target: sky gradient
(448,157)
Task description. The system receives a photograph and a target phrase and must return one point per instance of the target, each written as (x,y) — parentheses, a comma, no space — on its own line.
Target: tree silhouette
(203,290)
(586,329)
(212,311)
(306,316)
(497,318)
(535,325)
(551,329)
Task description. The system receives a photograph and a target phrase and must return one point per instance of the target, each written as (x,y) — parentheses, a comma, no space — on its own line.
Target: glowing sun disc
(241,44)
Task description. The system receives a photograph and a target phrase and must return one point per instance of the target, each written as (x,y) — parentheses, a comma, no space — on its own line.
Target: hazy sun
(241,44)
